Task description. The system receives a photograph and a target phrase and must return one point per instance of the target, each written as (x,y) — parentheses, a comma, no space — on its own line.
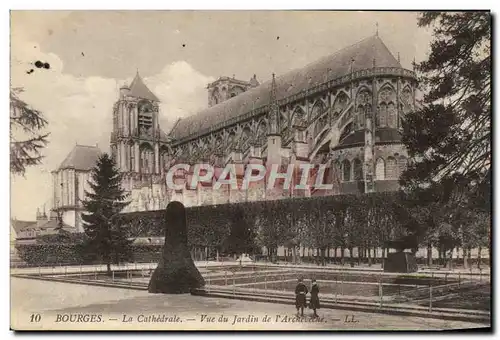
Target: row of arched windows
(391,168)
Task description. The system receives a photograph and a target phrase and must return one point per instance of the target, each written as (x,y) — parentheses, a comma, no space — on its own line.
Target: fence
(426,290)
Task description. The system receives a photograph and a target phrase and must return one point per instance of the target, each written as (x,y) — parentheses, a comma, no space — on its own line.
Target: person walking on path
(300,297)
(314,303)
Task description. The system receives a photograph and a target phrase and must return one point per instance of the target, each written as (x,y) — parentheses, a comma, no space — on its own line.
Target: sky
(92,53)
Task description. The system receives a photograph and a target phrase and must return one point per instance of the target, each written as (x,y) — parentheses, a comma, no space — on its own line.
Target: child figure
(314,303)
(300,297)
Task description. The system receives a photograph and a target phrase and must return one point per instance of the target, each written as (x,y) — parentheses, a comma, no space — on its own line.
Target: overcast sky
(92,53)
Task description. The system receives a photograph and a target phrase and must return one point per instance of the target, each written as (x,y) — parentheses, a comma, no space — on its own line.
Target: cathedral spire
(273,109)
(139,90)
(273,89)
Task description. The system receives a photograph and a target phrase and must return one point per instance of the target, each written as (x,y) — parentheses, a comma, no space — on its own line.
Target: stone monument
(176,272)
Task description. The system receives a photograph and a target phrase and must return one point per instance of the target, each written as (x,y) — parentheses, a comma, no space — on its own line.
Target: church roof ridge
(336,64)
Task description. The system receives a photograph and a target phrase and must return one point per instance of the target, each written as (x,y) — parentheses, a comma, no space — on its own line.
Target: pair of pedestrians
(301,297)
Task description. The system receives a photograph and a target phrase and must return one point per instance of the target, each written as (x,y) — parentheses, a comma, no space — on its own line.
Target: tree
(26,139)
(107,235)
(241,237)
(273,224)
(450,134)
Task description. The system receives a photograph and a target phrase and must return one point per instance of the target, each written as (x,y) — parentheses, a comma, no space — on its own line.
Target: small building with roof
(70,181)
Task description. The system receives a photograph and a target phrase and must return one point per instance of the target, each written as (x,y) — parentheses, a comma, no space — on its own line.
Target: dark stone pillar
(176,272)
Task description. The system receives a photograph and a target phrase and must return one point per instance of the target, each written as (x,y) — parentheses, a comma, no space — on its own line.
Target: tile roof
(335,65)
(82,157)
(139,90)
(20,225)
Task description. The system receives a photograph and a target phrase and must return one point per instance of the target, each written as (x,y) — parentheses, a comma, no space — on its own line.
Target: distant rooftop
(82,157)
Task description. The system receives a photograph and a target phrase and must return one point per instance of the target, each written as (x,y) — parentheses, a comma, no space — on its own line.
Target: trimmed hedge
(75,254)
(315,222)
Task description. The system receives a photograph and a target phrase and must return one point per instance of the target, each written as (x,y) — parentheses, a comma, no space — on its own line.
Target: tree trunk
(108,268)
(294,254)
(342,258)
(429,254)
(451,258)
(351,257)
(217,254)
(369,257)
(464,252)
(445,258)
(469,257)
(479,257)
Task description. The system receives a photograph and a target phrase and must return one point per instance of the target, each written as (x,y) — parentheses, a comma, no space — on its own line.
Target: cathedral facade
(344,111)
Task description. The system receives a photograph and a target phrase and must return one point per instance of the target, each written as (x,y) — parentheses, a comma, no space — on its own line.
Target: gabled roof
(82,157)
(139,90)
(20,225)
(335,65)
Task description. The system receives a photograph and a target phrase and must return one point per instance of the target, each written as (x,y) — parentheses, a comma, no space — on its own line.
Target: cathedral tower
(134,142)
(138,145)
(225,88)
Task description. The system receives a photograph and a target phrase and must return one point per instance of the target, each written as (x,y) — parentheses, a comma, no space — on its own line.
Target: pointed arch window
(320,125)
(391,116)
(391,169)
(382,115)
(346,171)
(358,169)
(146,159)
(337,171)
(380,169)
(317,109)
(132,157)
(340,104)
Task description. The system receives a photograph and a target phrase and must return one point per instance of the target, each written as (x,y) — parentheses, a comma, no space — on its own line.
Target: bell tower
(136,132)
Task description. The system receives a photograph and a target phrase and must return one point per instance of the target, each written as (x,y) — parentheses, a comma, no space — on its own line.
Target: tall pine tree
(107,237)
(449,137)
